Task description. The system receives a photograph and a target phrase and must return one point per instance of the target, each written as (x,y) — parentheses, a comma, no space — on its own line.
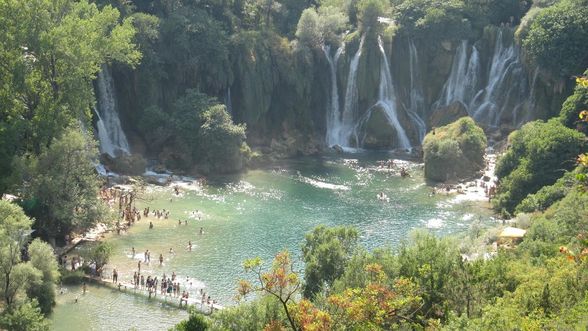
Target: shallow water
(263,212)
(101,308)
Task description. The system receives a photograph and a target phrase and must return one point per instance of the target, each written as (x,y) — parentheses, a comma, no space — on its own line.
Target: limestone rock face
(449,114)
(455,151)
(379,134)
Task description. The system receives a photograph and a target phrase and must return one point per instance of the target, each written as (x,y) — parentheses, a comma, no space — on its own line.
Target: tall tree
(50,52)
(15,227)
(61,186)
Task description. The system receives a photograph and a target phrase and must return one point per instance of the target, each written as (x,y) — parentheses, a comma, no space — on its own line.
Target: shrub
(538,154)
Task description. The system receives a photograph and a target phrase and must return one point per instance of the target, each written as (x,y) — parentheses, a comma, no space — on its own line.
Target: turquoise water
(265,211)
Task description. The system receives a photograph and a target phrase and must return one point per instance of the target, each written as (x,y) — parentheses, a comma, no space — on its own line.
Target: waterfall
(345,128)
(387,98)
(334,118)
(228,101)
(489,103)
(417,100)
(529,106)
(505,88)
(110,134)
(462,81)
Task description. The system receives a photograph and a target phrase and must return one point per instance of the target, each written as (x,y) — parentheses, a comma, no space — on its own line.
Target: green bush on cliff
(547,195)
(558,37)
(538,154)
(454,151)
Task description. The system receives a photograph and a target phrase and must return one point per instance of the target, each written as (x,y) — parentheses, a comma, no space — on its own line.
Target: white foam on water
(325,185)
(435,223)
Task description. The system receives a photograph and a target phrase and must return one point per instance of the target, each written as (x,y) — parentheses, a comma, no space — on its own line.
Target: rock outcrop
(455,151)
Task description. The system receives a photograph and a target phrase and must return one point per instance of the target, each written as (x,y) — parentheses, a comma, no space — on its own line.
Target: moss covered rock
(454,151)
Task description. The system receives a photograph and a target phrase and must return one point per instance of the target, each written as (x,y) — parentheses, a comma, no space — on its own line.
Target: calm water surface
(259,214)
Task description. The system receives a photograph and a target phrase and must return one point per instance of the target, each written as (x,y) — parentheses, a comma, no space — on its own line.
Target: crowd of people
(168,286)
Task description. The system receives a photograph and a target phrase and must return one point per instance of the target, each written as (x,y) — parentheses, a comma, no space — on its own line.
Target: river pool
(258,214)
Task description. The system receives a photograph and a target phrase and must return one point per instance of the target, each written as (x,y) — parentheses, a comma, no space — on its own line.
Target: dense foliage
(539,154)
(25,284)
(454,151)
(60,186)
(558,37)
(50,53)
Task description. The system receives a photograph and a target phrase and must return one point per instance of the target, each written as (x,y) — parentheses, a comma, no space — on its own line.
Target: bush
(195,322)
(222,142)
(538,154)
(69,277)
(455,151)
(571,108)
(558,37)
(547,195)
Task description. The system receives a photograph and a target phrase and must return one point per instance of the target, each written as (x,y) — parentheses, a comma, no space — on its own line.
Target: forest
(210,87)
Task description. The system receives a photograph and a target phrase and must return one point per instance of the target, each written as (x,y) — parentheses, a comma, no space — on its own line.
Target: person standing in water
(161,260)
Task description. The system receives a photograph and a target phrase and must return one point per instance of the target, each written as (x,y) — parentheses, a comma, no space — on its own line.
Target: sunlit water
(259,214)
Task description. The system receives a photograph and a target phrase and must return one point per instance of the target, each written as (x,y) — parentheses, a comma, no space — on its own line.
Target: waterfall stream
(505,88)
(417,99)
(347,125)
(463,78)
(110,133)
(387,99)
(334,119)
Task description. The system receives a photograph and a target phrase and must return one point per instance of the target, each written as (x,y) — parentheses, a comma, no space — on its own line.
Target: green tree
(222,143)
(195,322)
(50,53)
(26,317)
(62,186)
(369,12)
(42,257)
(99,255)
(308,31)
(15,277)
(558,37)
(430,262)
(326,252)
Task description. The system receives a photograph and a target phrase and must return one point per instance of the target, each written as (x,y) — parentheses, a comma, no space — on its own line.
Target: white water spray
(417,100)
(334,118)
(110,133)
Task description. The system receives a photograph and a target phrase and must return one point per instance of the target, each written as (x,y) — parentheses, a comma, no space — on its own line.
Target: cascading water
(417,100)
(506,86)
(110,133)
(228,101)
(387,99)
(489,103)
(345,127)
(334,118)
(463,79)
(526,109)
